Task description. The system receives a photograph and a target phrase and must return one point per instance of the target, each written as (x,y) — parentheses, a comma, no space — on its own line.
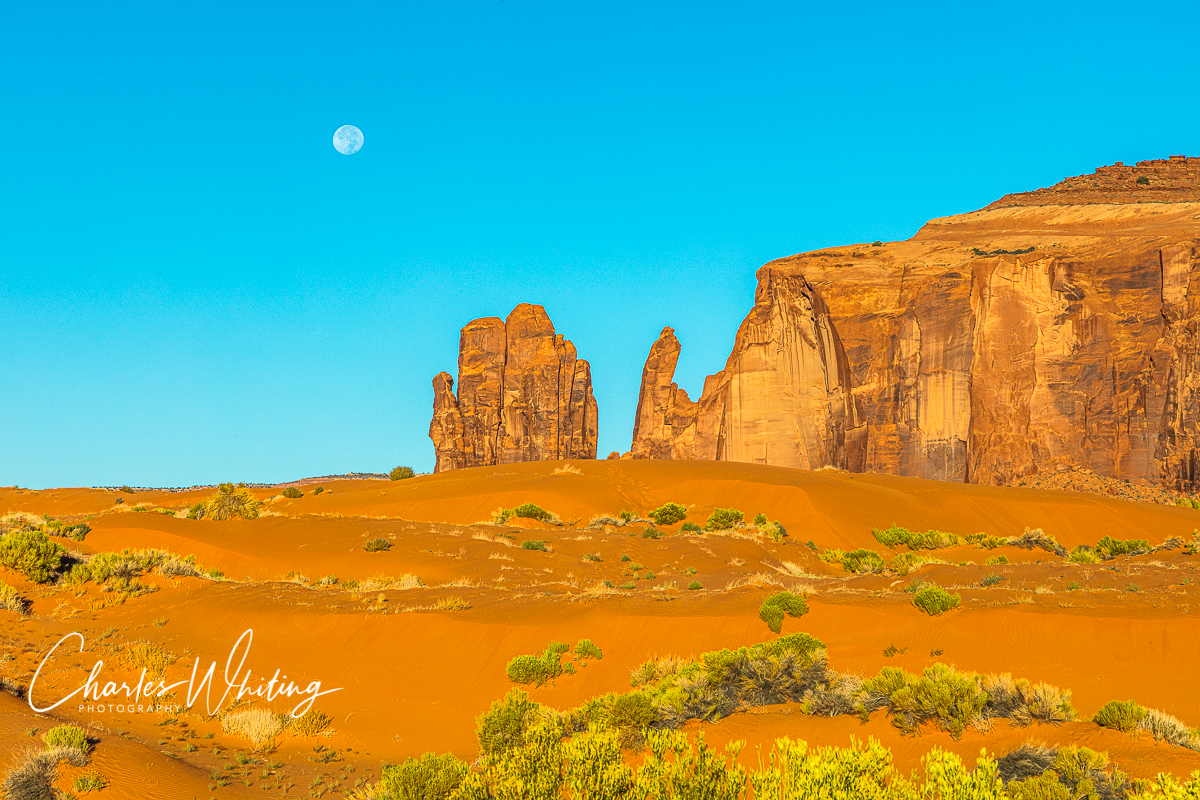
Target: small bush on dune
(694,585)
(862,561)
(1124,717)
(503,725)
(430,777)
(1109,548)
(777,605)
(723,519)
(906,563)
(668,514)
(532,511)
(89,782)
(930,540)
(259,725)
(318,490)
(996,560)
(198,510)
(34,775)
(1036,537)
(313,722)
(32,554)
(401,473)
(292,493)
(690,527)
(10,600)
(934,600)
(232,503)
(985,541)
(1083,555)
(586,648)
(534,544)
(66,736)
(377,545)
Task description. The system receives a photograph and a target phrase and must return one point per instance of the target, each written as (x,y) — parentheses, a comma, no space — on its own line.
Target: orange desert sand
(413,679)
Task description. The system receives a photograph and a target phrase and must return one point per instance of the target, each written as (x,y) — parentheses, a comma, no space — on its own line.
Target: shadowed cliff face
(523,395)
(990,346)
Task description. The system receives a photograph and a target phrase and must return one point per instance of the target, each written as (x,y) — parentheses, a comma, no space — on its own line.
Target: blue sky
(197,287)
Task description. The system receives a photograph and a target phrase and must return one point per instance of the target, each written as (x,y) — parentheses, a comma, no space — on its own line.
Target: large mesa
(1054,329)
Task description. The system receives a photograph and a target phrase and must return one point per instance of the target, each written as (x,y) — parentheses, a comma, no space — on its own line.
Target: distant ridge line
(348,476)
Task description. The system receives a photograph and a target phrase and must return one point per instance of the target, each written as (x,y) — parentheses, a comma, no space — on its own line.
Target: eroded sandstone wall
(989,347)
(523,395)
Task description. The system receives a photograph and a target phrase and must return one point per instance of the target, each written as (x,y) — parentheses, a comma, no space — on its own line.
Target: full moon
(347,140)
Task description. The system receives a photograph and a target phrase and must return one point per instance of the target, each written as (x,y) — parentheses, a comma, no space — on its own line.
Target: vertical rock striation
(523,395)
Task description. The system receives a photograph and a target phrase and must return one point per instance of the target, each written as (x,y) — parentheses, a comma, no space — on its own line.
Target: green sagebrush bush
(862,561)
(934,600)
(723,519)
(401,473)
(292,493)
(777,605)
(532,511)
(668,514)
(66,736)
(1109,548)
(232,503)
(32,554)
(430,777)
(690,527)
(1124,717)
(539,669)
(504,724)
(586,648)
(377,545)
(930,540)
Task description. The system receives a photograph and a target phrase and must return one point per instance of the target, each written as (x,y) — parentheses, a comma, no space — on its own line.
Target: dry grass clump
(312,723)
(1036,537)
(380,582)
(452,603)
(148,656)
(259,725)
(34,774)
(757,580)
(567,469)
(498,556)
(10,600)
(1024,702)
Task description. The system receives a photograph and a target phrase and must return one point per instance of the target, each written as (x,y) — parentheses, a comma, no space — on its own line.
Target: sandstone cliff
(1053,329)
(523,395)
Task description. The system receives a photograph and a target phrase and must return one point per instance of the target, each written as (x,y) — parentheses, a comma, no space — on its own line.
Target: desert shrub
(32,554)
(626,516)
(1025,702)
(930,540)
(1124,717)
(600,520)
(985,541)
(586,648)
(119,501)
(259,725)
(292,493)
(198,510)
(538,669)
(401,473)
(232,503)
(862,561)
(630,710)
(531,511)
(777,605)
(941,695)
(831,556)
(90,782)
(311,723)
(934,600)
(906,563)
(10,600)
(996,560)
(760,519)
(66,736)
(591,557)
(1036,537)
(651,533)
(534,544)
(429,777)
(668,514)
(694,585)
(503,725)
(723,519)
(1142,180)
(690,527)
(376,545)
(148,656)
(34,775)
(991,580)
(452,603)
(1109,548)
(318,490)
(1083,555)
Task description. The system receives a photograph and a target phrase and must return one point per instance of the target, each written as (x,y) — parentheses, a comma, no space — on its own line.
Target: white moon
(347,140)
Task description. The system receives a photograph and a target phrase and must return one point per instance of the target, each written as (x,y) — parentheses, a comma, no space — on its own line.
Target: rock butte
(1053,329)
(523,395)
